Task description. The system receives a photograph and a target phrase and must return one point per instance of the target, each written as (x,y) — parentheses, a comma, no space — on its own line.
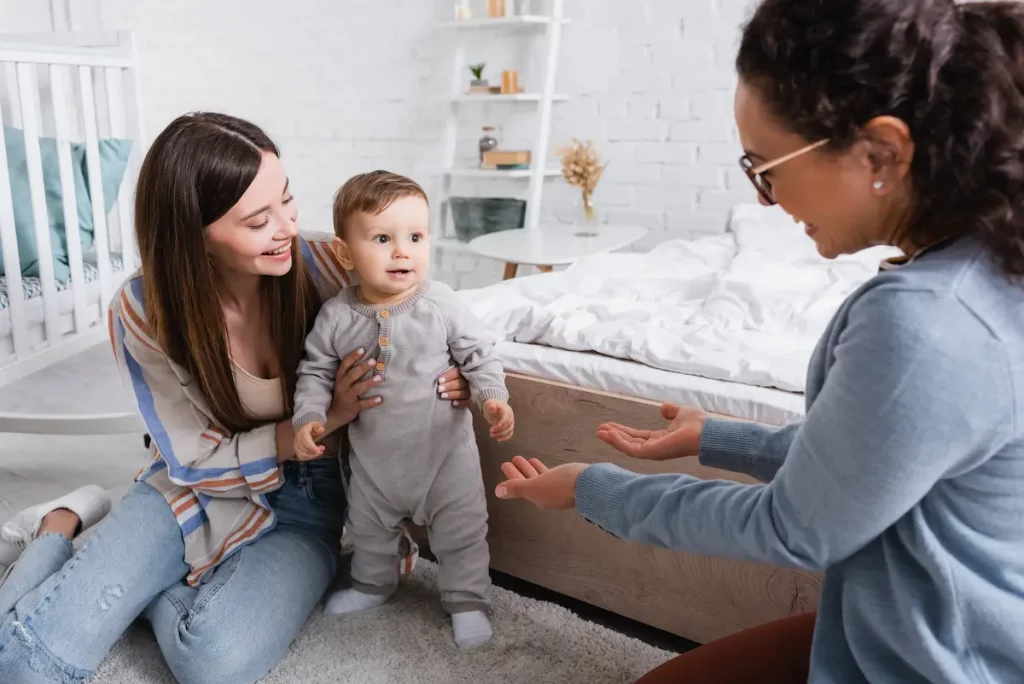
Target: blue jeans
(60,614)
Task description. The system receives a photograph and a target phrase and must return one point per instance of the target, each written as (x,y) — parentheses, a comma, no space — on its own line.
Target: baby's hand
(499,414)
(306,448)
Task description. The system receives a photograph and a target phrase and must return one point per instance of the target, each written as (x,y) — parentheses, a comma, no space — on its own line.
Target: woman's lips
(280,254)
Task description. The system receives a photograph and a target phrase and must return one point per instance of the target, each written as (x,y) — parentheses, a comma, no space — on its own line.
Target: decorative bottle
(487,142)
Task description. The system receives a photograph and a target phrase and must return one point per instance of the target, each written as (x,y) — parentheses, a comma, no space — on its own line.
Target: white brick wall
(345,86)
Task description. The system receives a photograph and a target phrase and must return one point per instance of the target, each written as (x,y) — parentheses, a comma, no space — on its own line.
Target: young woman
(896,122)
(226,543)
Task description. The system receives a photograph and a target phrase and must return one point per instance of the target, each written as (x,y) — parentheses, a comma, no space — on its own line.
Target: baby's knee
(465,536)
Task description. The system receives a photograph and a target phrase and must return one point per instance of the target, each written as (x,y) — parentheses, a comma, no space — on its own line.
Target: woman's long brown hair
(194,172)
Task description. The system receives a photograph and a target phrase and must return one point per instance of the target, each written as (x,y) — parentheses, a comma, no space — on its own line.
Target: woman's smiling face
(832,193)
(256,235)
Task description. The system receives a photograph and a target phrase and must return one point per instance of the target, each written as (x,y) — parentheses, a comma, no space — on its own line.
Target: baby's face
(390,251)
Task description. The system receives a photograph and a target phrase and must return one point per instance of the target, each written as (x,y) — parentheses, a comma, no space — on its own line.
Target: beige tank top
(262,398)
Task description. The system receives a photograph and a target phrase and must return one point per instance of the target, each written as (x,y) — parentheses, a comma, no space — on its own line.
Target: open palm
(680,439)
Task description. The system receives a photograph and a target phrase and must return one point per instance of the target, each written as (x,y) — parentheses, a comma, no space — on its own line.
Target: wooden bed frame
(699,598)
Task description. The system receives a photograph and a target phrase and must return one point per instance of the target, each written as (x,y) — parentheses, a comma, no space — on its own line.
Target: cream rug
(409,640)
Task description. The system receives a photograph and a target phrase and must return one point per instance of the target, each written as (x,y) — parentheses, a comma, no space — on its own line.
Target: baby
(412,457)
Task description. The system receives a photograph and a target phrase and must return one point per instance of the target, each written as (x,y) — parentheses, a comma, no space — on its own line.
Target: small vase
(589,224)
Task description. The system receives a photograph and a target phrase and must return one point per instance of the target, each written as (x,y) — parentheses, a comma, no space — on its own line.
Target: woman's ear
(341,251)
(891,149)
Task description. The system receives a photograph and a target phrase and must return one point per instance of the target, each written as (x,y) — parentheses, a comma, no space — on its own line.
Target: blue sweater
(904,482)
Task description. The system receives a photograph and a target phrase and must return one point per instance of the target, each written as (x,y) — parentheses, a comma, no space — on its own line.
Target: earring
(877,185)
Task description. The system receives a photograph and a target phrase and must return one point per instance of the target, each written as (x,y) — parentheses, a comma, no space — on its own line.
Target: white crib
(78,94)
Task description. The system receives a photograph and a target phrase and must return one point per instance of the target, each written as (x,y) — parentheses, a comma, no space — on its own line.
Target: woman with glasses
(872,122)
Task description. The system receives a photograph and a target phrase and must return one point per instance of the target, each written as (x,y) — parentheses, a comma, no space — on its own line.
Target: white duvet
(746,306)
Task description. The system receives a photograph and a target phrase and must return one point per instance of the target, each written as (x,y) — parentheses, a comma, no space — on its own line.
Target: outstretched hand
(546,488)
(680,439)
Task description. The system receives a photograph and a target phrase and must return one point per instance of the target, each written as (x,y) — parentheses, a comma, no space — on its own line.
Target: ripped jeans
(60,613)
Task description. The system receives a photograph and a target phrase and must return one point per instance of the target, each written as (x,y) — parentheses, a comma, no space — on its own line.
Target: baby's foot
(353,601)
(471,629)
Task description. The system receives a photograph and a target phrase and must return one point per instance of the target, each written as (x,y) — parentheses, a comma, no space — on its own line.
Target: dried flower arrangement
(582,168)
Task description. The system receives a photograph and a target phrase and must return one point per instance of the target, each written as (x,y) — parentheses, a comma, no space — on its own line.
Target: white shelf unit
(526,21)
(541,168)
(518,97)
(501,173)
(451,245)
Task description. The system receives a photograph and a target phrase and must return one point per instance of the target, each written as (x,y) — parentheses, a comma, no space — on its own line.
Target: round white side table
(551,246)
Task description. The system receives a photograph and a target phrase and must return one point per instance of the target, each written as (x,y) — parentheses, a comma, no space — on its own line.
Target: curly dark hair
(953,73)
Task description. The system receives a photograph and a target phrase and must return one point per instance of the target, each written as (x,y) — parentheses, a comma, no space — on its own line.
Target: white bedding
(631,379)
(747,306)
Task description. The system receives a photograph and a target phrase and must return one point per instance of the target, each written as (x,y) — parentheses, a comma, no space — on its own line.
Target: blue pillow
(114,154)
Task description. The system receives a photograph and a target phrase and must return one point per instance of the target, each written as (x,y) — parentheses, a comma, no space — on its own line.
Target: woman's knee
(24,659)
(777,651)
(219,656)
(143,518)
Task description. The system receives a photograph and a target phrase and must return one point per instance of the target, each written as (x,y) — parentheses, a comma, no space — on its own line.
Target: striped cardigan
(215,482)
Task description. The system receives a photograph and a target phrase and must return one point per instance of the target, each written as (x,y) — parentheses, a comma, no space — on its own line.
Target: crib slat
(136,124)
(92,160)
(59,86)
(11,76)
(29,91)
(118,129)
(9,240)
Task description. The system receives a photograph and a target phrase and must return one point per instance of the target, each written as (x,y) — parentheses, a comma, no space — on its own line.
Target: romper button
(383,341)
(380,367)
(384,313)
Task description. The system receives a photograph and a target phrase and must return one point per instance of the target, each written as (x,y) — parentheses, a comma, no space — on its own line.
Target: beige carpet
(409,640)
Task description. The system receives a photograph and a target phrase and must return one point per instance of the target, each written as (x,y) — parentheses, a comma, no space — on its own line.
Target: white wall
(344,86)
(19,16)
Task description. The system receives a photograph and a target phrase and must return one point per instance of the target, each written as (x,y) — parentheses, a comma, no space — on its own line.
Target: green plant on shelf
(478,70)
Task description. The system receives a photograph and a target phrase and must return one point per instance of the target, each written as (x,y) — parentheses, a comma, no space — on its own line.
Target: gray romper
(413,457)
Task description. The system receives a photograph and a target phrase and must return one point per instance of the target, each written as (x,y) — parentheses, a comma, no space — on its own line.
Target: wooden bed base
(699,598)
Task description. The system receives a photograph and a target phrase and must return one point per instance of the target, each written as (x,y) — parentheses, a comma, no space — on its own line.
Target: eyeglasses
(756,173)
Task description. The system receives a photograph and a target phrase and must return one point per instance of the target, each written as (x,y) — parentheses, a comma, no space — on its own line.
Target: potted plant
(478,75)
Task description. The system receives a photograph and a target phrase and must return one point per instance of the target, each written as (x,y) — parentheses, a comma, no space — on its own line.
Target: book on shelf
(506,159)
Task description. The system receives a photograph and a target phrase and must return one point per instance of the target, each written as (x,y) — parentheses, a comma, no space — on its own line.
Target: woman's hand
(547,488)
(348,387)
(451,386)
(680,439)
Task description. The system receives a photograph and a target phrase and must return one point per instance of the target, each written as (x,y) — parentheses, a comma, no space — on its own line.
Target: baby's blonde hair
(372,193)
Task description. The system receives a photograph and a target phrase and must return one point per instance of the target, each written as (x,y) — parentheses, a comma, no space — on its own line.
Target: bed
(70,132)
(724,322)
